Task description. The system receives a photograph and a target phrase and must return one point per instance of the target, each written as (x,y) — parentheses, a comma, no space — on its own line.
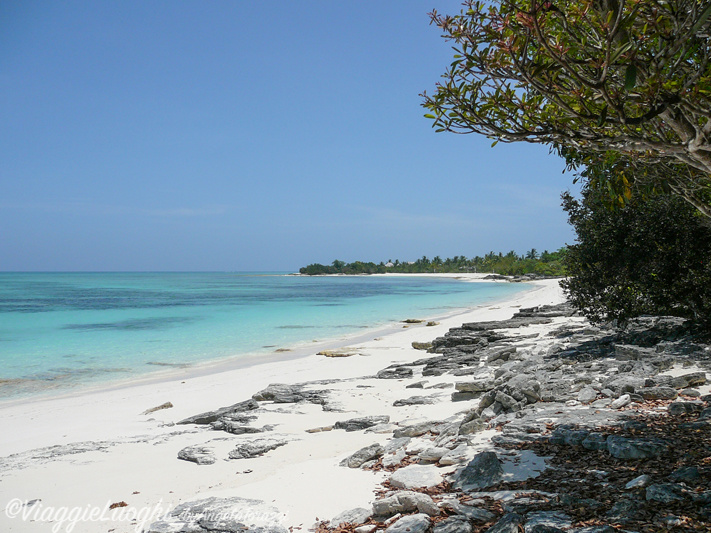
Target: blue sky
(181,135)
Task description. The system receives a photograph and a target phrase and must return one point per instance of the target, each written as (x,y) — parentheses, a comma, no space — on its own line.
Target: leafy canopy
(631,77)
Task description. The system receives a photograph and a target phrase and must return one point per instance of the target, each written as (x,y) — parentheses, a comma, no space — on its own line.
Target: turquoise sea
(60,331)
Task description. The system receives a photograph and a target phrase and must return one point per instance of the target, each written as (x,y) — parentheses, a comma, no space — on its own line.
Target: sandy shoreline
(136,462)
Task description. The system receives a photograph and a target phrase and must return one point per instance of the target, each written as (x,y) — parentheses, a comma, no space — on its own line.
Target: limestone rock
(255,448)
(416,523)
(201,455)
(358,424)
(624,448)
(352,516)
(481,472)
(226,515)
(374,451)
(416,476)
(405,502)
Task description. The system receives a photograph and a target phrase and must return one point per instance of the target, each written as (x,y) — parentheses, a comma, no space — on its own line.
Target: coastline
(249,359)
(136,458)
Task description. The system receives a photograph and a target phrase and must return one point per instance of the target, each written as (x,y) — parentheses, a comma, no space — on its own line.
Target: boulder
(638,448)
(283,393)
(483,471)
(415,477)
(658,393)
(212,416)
(358,424)
(398,372)
(201,455)
(226,515)
(374,451)
(405,502)
(416,523)
(352,516)
(665,492)
(255,448)
(453,524)
(685,381)
(509,523)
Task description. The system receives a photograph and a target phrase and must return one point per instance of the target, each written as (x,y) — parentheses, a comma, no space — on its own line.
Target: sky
(242,136)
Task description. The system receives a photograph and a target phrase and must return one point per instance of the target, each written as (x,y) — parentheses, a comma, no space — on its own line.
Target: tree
(649,257)
(630,77)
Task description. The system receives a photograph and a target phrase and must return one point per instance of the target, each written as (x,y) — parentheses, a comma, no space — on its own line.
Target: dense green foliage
(627,77)
(546,264)
(652,256)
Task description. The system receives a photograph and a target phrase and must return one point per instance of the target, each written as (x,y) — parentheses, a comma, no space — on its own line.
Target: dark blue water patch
(136,324)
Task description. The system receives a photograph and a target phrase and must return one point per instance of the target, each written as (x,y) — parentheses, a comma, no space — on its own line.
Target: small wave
(295,327)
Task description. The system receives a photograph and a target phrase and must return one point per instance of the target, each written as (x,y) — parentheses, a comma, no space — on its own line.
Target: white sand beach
(126,456)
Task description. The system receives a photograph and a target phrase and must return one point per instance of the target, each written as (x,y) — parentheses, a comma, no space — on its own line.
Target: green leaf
(630,77)
(430,116)
(494,143)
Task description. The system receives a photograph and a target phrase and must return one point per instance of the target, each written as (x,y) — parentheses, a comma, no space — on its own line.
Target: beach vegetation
(625,84)
(650,257)
(511,264)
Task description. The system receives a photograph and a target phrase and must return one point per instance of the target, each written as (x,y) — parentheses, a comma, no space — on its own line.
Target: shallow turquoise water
(61,330)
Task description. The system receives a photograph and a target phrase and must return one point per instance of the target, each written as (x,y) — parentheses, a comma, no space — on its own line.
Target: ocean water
(60,331)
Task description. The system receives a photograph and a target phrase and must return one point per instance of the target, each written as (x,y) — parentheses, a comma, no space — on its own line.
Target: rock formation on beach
(563,427)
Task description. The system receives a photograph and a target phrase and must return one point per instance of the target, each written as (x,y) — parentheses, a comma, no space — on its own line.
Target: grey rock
(405,502)
(625,511)
(212,416)
(358,424)
(453,524)
(473,386)
(416,385)
(595,441)
(416,523)
(639,482)
(682,408)
(568,437)
(595,529)
(470,512)
(688,474)
(658,393)
(621,402)
(483,471)
(507,524)
(255,448)
(693,379)
(417,429)
(465,396)
(398,372)
(352,516)
(236,428)
(393,458)
(201,455)
(226,515)
(624,448)
(546,522)
(284,393)
(665,492)
(416,476)
(396,444)
(414,400)
(374,451)
(432,455)
(473,426)
(456,456)
(587,395)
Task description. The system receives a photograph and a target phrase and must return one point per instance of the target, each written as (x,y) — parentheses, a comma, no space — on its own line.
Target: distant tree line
(510,264)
